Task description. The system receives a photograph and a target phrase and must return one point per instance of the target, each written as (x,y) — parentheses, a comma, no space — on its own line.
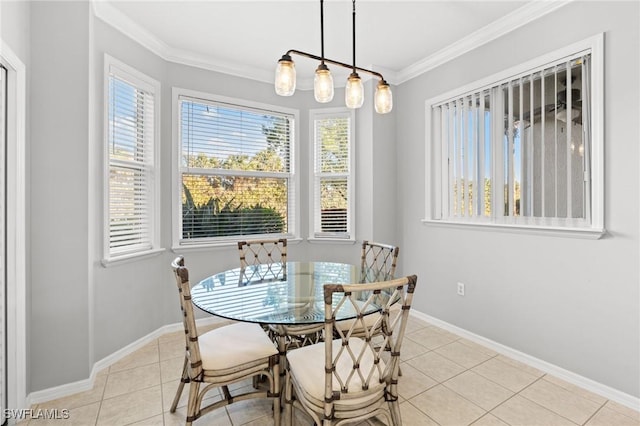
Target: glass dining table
(276,294)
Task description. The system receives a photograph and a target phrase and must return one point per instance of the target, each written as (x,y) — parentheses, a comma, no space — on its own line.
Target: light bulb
(323,84)
(285,76)
(383,98)
(354,91)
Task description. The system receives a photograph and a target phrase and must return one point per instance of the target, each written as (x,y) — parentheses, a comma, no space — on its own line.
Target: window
(236,171)
(332,211)
(523,150)
(131,208)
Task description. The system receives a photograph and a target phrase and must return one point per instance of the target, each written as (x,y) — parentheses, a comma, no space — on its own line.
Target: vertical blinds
(235,169)
(332,176)
(520,148)
(130,139)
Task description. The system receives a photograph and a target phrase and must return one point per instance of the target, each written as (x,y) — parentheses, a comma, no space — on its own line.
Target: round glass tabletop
(273,294)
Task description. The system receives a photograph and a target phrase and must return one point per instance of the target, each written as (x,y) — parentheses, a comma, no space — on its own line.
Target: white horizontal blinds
(131,159)
(332,175)
(235,170)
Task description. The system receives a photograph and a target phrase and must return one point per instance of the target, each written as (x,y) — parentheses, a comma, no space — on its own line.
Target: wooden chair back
(378,261)
(263,259)
(355,364)
(191,333)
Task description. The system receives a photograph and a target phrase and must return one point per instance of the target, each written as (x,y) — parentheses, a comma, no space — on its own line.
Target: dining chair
(263,259)
(378,261)
(350,379)
(222,357)
(267,259)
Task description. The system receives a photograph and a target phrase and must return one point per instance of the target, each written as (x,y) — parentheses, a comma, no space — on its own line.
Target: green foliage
(215,219)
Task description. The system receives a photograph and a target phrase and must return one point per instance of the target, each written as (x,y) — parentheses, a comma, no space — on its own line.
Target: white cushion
(234,345)
(307,368)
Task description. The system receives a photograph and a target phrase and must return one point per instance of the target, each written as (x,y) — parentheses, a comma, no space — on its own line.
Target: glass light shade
(354,92)
(383,98)
(323,84)
(285,77)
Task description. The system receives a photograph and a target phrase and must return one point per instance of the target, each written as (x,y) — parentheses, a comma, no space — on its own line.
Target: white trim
(593,43)
(516,19)
(142,81)
(131,257)
(294,224)
(61,391)
(508,23)
(16,226)
(544,366)
(94,187)
(121,22)
(576,379)
(314,220)
(586,233)
(435,194)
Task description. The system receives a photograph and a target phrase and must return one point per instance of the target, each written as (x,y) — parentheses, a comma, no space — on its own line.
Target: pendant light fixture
(285,82)
(354,91)
(323,81)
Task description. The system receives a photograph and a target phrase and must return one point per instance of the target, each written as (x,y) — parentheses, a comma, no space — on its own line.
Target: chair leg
(277,392)
(184,379)
(192,406)
(288,406)
(394,408)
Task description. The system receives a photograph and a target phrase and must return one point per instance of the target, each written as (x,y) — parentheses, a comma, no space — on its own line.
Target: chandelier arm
(322,31)
(354,36)
(331,61)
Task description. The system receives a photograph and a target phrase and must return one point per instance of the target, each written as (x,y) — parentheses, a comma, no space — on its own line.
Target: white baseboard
(573,378)
(87,384)
(568,376)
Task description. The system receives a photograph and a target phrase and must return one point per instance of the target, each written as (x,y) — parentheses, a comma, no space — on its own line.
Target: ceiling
(246,38)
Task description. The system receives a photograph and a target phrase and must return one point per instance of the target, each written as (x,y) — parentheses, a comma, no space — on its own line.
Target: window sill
(128,258)
(581,233)
(194,247)
(331,240)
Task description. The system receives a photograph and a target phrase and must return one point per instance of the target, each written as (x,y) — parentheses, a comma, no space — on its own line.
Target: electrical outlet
(460,289)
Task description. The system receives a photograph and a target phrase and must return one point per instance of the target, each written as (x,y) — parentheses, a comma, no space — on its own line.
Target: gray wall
(14,27)
(571,302)
(58,194)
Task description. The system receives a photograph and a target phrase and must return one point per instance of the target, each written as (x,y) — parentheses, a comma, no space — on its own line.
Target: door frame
(16,228)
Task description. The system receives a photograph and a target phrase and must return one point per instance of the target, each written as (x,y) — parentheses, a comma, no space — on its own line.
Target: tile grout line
(597,411)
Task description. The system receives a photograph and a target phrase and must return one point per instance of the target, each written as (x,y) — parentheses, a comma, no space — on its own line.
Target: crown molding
(518,18)
(121,22)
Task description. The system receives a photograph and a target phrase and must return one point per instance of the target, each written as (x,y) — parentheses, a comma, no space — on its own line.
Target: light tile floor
(446,380)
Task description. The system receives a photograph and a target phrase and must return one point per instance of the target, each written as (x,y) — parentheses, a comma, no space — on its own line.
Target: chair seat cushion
(306,365)
(234,345)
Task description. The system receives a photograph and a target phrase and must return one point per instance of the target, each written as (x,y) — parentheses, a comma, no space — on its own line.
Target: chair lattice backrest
(378,261)
(356,364)
(188,318)
(263,259)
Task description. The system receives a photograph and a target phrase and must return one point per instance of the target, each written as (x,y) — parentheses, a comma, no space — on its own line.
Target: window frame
(314,211)
(435,181)
(293,224)
(142,82)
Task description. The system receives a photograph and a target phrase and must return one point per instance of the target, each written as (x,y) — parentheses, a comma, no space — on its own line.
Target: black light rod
(331,61)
